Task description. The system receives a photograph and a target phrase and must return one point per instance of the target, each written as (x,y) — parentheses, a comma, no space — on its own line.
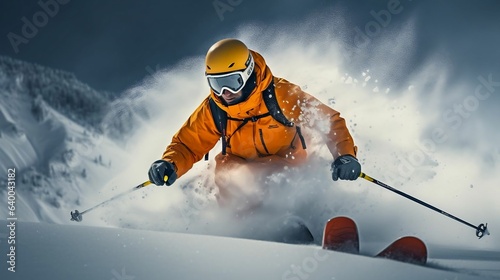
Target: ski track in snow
(392,123)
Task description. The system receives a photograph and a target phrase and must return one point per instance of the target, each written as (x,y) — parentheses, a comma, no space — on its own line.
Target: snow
(47,251)
(409,137)
(50,149)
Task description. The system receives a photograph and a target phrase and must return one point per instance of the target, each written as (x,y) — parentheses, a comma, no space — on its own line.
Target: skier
(259,119)
(258,134)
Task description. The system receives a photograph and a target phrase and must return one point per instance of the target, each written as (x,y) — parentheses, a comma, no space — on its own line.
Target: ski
(293,230)
(406,249)
(341,234)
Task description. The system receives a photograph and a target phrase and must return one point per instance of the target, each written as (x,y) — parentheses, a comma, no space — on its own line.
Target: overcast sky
(112,45)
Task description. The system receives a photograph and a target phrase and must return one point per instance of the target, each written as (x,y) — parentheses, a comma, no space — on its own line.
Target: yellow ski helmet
(229,64)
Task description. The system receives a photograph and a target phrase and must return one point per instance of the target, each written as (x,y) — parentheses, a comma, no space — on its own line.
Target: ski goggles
(233,81)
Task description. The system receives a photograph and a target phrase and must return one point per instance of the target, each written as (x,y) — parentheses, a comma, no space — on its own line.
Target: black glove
(345,167)
(159,169)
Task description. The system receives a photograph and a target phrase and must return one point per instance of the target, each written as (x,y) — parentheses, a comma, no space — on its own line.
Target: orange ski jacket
(266,137)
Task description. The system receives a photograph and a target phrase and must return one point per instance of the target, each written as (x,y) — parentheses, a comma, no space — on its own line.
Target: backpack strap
(243,123)
(219,116)
(220,120)
(269,95)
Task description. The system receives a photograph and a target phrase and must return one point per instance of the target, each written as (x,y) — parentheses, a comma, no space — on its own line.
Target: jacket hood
(250,106)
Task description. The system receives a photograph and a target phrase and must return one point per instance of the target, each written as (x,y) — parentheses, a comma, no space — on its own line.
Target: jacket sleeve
(197,136)
(328,122)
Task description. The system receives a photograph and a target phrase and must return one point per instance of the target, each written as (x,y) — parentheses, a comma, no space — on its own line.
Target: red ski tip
(407,249)
(341,234)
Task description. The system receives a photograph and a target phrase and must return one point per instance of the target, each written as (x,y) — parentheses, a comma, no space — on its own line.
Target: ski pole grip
(147,183)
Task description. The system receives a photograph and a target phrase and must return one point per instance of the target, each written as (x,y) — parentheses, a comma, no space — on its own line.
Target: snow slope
(80,253)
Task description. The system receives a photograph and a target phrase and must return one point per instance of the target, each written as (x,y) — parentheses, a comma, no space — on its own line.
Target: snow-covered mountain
(51,133)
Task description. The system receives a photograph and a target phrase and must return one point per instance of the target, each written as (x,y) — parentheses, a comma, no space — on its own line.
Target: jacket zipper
(262,140)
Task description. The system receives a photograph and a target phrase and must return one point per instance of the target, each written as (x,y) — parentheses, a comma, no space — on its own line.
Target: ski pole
(481,229)
(77,216)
